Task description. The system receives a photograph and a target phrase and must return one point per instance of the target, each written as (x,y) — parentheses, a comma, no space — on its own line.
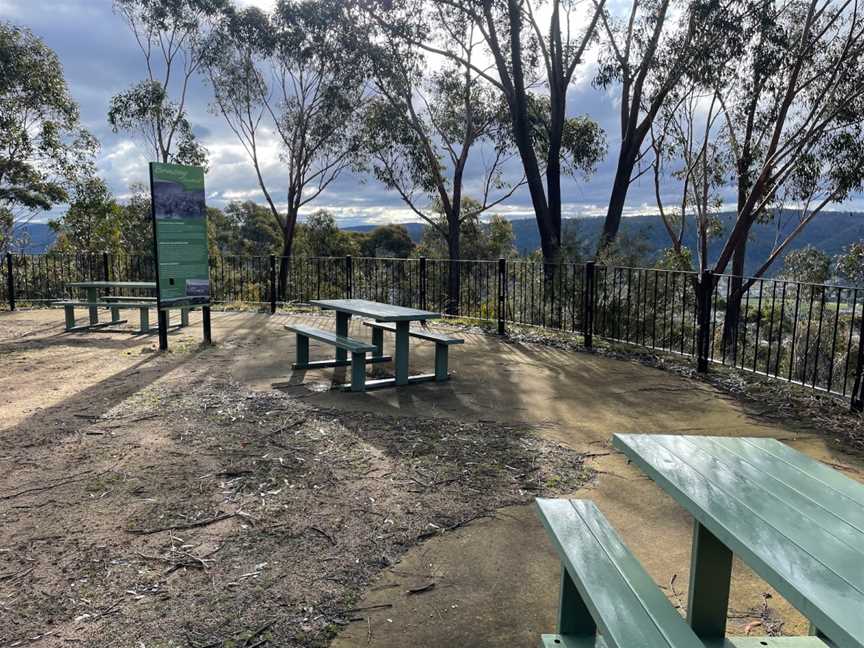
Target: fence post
(502,295)
(349,277)
(272,284)
(858,388)
(423,283)
(588,305)
(704,290)
(10,281)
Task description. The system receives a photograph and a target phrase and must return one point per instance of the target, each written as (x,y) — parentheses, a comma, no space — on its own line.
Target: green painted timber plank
(628,607)
(830,481)
(431,336)
(764,507)
(841,518)
(339,341)
(729,510)
(374,310)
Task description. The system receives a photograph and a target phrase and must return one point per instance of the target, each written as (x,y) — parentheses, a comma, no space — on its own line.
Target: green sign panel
(180,233)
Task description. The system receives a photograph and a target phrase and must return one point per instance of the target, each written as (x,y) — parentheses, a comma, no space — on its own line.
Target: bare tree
(532,51)
(171,35)
(422,130)
(293,76)
(786,118)
(648,52)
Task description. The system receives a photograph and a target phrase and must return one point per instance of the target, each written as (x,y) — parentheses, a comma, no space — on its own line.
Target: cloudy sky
(101,58)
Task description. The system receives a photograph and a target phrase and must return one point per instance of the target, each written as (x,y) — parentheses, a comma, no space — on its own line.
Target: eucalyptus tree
(43,147)
(294,79)
(532,50)
(171,35)
(647,52)
(426,128)
(788,127)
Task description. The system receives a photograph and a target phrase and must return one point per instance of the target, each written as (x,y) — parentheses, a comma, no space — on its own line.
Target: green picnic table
(115,303)
(93,288)
(380,312)
(796,522)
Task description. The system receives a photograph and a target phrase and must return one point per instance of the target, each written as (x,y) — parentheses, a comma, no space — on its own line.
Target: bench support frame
(710,577)
(574,619)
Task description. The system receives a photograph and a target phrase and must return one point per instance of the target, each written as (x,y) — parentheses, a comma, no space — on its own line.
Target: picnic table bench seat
(70,305)
(607,598)
(357,349)
(442,344)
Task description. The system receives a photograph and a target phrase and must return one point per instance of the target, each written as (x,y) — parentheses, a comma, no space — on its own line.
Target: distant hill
(830,231)
(36,238)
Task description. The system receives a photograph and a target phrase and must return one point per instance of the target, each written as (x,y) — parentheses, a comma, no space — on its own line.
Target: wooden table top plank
(816,541)
(792,500)
(817,591)
(112,284)
(841,505)
(375,310)
(833,479)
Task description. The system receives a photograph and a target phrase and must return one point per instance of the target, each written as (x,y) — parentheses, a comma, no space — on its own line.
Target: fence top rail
(788,282)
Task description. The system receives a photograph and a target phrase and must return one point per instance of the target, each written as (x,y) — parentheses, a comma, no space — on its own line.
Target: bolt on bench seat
(607,599)
(442,344)
(357,348)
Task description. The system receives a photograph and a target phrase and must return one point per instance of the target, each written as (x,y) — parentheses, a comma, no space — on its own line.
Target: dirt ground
(152,500)
(212,497)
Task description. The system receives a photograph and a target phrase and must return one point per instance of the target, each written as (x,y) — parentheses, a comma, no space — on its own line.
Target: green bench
(115,307)
(607,599)
(357,348)
(442,345)
(115,304)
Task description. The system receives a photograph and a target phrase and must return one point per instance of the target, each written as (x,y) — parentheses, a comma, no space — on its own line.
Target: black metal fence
(803,333)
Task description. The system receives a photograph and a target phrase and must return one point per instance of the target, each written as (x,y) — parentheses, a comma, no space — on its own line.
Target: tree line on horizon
(760,98)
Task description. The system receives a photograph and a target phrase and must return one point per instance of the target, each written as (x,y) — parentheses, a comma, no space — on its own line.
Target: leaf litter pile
(204,514)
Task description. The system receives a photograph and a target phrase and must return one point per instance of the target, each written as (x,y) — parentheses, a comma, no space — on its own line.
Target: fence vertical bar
(10,281)
(272,284)
(422,286)
(502,295)
(349,277)
(588,304)
(858,385)
(705,290)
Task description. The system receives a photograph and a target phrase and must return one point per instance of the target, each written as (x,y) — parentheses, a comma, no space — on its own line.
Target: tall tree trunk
(454,277)
(287,243)
(618,198)
(733,301)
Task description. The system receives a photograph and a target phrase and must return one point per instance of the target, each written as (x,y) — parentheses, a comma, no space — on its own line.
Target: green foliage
(43,148)
(583,141)
(172,36)
(96,223)
(631,249)
(390,241)
(146,109)
(491,240)
(809,265)
(319,236)
(850,264)
(672,259)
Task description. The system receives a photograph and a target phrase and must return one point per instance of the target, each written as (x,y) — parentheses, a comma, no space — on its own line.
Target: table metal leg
(400,353)
(92,298)
(574,619)
(710,577)
(342,322)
